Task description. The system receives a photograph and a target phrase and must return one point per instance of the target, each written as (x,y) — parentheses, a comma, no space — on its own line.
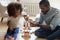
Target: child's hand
(26,18)
(11,38)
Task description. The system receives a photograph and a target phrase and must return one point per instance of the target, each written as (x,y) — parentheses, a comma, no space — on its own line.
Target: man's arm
(36,23)
(33,23)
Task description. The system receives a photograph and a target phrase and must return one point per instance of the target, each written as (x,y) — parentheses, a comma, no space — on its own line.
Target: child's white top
(16,22)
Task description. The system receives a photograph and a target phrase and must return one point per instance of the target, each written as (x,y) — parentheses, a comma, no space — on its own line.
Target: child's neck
(14,16)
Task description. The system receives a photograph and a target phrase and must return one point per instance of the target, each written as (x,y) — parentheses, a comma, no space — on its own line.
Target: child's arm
(8,23)
(9,26)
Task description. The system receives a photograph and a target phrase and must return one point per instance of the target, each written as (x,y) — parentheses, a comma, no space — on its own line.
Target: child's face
(17,13)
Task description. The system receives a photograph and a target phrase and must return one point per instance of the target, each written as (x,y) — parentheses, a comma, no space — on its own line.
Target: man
(49,21)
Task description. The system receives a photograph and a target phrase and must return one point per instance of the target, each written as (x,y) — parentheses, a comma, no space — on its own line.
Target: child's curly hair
(12,7)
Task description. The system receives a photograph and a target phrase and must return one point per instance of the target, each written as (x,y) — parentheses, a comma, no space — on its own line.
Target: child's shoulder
(9,18)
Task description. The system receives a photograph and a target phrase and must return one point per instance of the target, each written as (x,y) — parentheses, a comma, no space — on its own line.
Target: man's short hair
(44,2)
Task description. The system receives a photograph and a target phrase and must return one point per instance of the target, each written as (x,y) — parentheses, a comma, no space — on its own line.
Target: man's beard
(45,12)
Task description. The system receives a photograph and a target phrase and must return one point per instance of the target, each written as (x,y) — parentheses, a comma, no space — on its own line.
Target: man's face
(44,9)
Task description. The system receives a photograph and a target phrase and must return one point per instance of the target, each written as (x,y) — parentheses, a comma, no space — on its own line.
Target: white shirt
(16,22)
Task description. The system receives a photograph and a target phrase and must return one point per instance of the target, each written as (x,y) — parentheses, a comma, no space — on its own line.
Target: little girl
(14,11)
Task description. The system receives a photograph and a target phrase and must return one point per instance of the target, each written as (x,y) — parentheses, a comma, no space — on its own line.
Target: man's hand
(32,23)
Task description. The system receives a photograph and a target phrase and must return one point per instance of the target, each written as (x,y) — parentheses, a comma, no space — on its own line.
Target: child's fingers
(11,38)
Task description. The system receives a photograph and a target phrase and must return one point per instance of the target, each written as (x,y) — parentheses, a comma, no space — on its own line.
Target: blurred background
(29,6)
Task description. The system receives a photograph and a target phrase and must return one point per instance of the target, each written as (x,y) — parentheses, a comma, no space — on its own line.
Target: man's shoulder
(55,9)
